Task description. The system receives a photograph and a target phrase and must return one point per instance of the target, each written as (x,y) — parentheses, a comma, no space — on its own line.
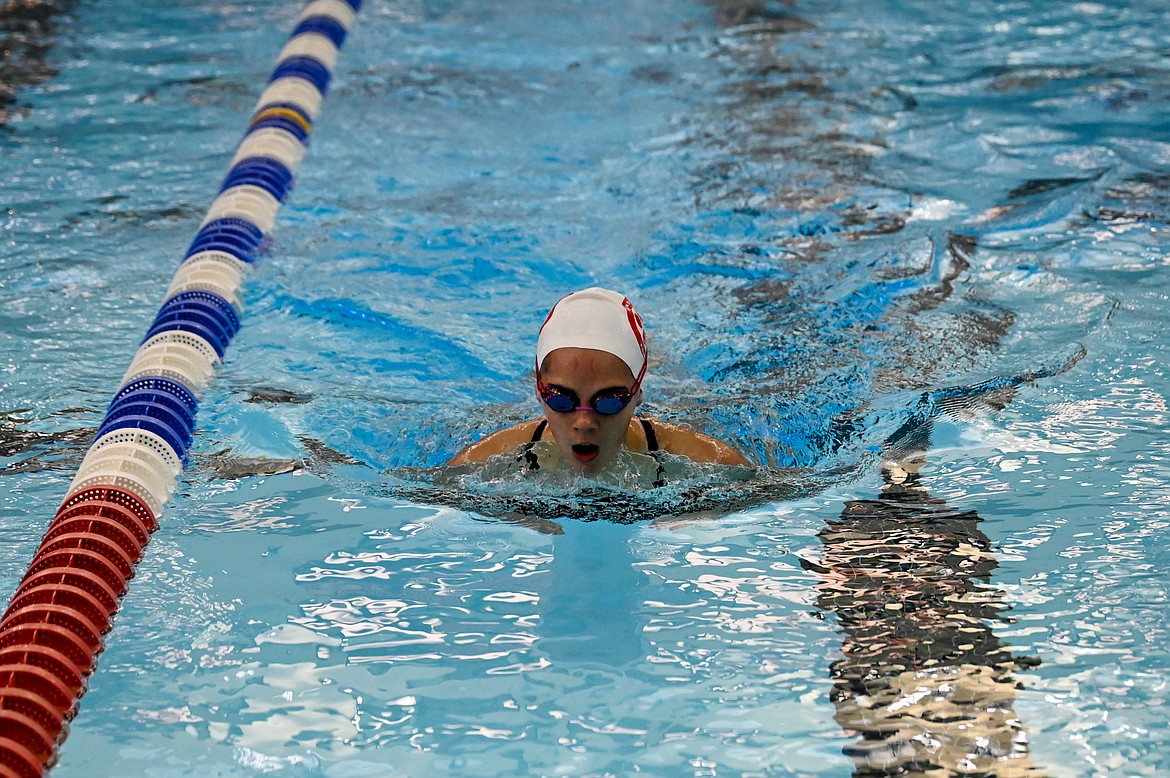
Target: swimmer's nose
(584,418)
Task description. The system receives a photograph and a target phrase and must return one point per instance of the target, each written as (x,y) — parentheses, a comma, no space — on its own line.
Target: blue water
(845,224)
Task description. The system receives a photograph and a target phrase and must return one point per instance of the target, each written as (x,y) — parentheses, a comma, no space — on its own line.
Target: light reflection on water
(598,661)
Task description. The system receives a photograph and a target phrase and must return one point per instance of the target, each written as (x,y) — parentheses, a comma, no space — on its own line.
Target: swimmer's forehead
(572,367)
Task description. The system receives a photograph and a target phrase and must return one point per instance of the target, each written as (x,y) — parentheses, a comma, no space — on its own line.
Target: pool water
(857,233)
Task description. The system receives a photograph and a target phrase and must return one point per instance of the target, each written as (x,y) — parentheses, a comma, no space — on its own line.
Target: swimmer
(590,361)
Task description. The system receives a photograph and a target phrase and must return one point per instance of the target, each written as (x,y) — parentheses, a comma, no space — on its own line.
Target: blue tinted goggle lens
(610,404)
(606,405)
(559,403)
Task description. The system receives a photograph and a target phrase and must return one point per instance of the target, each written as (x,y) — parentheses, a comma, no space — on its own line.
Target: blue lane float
(52,631)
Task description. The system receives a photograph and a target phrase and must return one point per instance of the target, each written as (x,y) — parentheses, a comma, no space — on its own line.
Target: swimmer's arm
(500,442)
(684,441)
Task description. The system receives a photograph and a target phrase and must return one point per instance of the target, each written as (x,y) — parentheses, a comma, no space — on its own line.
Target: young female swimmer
(593,346)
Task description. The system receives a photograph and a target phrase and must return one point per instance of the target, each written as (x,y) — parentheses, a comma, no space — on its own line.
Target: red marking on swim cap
(639,335)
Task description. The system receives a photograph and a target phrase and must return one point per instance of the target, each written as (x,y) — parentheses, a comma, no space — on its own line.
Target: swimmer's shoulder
(503,441)
(692,444)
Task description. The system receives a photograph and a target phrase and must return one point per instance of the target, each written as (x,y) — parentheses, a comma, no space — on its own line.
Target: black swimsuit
(651,445)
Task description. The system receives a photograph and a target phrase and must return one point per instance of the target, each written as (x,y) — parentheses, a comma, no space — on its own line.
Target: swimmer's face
(587,439)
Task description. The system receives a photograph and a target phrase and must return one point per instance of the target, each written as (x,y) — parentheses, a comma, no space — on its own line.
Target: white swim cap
(599,319)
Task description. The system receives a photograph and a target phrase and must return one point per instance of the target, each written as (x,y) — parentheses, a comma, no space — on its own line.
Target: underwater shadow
(925,684)
(27,28)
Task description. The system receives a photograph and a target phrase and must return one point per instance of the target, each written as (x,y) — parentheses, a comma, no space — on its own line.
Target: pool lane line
(54,628)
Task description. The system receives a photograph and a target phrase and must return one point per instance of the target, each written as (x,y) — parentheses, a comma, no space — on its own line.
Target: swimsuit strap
(651,438)
(652,447)
(529,455)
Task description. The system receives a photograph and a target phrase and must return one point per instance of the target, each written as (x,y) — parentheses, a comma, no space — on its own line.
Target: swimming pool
(834,218)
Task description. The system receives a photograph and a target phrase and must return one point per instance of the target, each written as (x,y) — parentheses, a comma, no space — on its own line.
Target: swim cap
(599,319)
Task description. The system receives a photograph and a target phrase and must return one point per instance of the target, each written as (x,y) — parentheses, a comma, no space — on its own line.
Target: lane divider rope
(53,630)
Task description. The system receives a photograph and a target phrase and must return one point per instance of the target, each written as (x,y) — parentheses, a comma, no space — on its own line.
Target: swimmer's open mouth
(585,452)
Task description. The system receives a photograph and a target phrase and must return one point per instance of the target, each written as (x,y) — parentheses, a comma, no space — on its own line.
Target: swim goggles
(607,402)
